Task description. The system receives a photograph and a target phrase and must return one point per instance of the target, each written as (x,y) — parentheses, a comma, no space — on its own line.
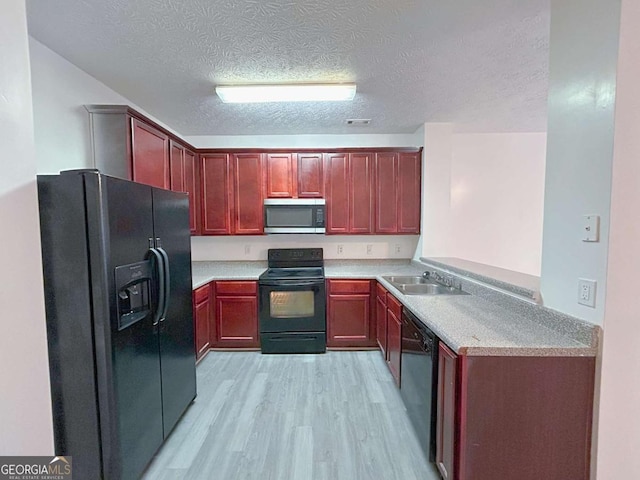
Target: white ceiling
(480,64)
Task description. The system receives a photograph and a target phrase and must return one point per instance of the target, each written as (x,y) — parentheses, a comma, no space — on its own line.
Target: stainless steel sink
(429,289)
(418,285)
(407,280)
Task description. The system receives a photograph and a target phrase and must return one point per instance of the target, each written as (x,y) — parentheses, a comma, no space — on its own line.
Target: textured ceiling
(480,64)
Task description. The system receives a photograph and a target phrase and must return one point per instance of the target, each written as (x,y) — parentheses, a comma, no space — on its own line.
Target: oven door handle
(291,283)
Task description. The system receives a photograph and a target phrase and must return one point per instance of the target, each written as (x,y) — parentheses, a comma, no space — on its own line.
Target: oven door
(292,306)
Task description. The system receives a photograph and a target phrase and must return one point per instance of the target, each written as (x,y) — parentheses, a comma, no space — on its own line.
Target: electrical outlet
(369,249)
(587,292)
(397,248)
(340,249)
(247,249)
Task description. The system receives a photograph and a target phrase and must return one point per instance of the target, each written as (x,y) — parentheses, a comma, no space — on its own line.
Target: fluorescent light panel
(338,92)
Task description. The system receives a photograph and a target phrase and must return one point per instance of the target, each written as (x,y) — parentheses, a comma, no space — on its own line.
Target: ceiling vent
(358,122)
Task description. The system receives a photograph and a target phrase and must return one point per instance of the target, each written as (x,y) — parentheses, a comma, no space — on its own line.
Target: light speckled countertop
(469,324)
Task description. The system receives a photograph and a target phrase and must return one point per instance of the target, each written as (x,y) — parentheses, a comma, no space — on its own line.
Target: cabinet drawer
(349,286)
(394,305)
(381,292)
(201,294)
(237,288)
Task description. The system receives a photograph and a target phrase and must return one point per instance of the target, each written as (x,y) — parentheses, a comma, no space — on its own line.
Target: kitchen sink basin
(418,279)
(418,285)
(429,289)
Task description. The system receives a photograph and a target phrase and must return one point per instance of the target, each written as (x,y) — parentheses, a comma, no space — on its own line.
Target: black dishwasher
(418,385)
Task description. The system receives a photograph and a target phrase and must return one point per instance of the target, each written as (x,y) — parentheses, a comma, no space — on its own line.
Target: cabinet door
(176,166)
(236,321)
(409,188)
(386,193)
(149,155)
(310,177)
(216,194)
(446,416)
(190,187)
(381,325)
(248,218)
(394,340)
(349,319)
(360,193)
(280,175)
(203,323)
(337,191)
(182,163)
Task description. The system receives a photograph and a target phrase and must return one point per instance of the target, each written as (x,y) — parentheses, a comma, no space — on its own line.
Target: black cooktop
(294,264)
(292,273)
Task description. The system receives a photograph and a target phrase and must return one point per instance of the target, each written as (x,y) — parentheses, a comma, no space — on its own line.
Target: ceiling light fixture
(331,92)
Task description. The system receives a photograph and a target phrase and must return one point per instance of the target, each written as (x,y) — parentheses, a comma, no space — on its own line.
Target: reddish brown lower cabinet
(203,315)
(236,315)
(514,417)
(446,412)
(394,336)
(349,320)
(381,319)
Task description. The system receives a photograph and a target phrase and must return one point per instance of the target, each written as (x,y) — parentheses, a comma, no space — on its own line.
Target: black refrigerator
(117,276)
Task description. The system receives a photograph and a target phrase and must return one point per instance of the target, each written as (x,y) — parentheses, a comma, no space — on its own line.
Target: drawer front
(237,288)
(394,305)
(381,292)
(349,286)
(201,294)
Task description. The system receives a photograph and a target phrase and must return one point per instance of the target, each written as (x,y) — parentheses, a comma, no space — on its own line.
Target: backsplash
(368,247)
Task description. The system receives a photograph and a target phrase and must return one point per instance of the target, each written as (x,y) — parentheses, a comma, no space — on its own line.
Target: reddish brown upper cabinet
(386,190)
(280,175)
(215,171)
(231,186)
(381,319)
(349,320)
(150,155)
(236,315)
(184,179)
(310,175)
(248,218)
(394,337)
(409,192)
(349,194)
(397,192)
(446,412)
(203,318)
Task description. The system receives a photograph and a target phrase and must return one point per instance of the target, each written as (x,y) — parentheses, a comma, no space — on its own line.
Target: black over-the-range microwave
(294,215)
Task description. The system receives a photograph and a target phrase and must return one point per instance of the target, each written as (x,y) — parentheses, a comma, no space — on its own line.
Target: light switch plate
(587,292)
(590,228)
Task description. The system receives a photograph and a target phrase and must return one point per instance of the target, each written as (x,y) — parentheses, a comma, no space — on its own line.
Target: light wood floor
(293,417)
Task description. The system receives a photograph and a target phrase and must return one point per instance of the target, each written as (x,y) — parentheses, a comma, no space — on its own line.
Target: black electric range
(292,302)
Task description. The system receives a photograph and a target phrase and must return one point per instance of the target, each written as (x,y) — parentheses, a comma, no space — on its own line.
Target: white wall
(583,55)
(619,422)
(306,141)
(60,91)
(26,426)
(497,190)
(255,247)
(484,197)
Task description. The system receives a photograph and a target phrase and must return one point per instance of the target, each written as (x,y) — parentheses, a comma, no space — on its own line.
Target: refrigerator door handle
(160,281)
(167,283)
